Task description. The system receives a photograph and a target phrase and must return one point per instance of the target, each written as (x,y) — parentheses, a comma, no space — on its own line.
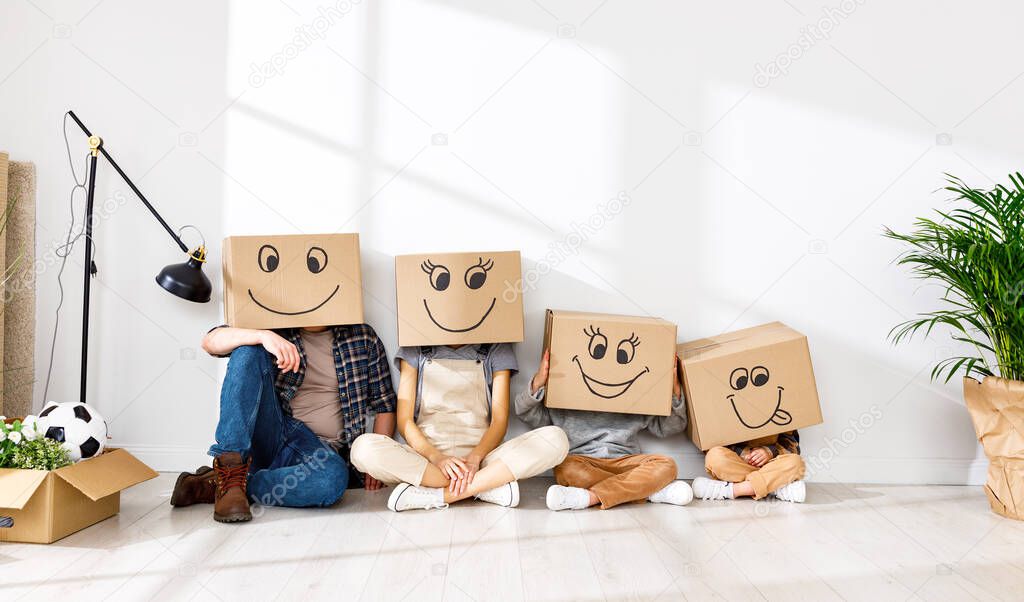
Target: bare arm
(222,341)
(528,404)
(384,424)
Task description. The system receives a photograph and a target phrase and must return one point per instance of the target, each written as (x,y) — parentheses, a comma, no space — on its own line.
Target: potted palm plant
(975,251)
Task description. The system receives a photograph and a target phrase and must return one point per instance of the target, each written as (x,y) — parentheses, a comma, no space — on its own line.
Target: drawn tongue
(782,417)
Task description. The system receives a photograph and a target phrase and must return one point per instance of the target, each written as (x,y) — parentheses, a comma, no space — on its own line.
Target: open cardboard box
(49,505)
(609,363)
(748,384)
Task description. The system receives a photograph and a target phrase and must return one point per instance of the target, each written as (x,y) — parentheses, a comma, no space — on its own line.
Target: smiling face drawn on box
(465,281)
(292,280)
(269,260)
(612,356)
(757,397)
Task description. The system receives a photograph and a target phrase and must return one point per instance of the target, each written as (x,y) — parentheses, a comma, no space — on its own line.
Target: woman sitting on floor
(453,408)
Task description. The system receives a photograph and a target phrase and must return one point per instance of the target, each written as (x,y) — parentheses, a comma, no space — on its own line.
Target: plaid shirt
(783,443)
(364,378)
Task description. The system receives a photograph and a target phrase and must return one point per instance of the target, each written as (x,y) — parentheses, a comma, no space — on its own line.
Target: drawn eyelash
(428,266)
(633,339)
(591,332)
(484,265)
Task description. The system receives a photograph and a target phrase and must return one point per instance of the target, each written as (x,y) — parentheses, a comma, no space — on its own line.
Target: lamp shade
(186,280)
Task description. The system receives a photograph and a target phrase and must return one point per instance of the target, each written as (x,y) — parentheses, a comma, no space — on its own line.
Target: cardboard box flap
(108,473)
(723,344)
(17,486)
(610,318)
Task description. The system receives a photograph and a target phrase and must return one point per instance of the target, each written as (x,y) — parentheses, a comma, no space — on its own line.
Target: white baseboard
(894,471)
(167,458)
(886,471)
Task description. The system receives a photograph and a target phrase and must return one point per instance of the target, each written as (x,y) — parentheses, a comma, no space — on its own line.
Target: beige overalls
(453,415)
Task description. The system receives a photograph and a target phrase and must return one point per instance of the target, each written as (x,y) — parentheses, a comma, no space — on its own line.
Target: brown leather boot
(199,487)
(231,503)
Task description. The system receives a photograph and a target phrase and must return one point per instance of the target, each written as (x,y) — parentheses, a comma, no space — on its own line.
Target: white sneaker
(794,492)
(710,489)
(567,498)
(506,495)
(408,497)
(677,492)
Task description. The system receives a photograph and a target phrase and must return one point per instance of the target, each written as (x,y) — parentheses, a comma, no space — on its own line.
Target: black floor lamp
(185,280)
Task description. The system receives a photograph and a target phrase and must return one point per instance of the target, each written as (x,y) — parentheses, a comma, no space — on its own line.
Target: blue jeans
(290,465)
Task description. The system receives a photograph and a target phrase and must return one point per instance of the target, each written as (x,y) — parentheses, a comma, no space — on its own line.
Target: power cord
(65,250)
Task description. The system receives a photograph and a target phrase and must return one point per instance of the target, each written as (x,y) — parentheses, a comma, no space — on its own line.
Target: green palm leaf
(976,252)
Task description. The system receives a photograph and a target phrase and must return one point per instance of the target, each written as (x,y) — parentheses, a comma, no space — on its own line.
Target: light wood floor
(848,542)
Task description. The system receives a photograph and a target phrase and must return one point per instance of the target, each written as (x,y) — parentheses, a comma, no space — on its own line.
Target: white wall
(751,199)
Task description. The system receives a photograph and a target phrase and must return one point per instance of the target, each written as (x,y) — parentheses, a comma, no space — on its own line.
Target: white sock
(678,493)
(567,498)
(728,492)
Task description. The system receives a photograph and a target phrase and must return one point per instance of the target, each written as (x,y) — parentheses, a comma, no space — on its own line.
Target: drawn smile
(295,313)
(607,390)
(467,329)
(779,416)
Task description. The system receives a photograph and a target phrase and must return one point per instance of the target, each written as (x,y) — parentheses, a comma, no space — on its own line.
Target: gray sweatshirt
(600,434)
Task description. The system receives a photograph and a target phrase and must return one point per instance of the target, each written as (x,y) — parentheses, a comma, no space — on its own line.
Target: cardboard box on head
(609,363)
(748,384)
(284,281)
(459,298)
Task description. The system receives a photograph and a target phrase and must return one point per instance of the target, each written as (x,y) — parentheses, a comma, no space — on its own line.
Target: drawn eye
(598,345)
(268,258)
(626,350)
(759,376)
(738,379)
(440,277)
(476,275)
(316,260)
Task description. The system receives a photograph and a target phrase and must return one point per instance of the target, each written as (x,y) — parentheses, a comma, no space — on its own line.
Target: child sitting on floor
(768,465)
(605,465)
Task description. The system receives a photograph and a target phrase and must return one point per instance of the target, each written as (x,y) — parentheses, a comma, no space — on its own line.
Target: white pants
(391,462)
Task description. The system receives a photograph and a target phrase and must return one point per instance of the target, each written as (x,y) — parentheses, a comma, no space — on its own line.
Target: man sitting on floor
(291,404)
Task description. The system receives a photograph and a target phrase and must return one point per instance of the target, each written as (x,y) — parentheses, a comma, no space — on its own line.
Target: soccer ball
(81,429)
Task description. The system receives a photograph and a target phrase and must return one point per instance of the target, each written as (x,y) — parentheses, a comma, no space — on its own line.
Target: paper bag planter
(609,363)
(747,384)
(292,280)
(459,298)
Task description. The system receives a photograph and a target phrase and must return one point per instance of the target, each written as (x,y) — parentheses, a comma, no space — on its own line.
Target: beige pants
(726,465)
(391,462)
